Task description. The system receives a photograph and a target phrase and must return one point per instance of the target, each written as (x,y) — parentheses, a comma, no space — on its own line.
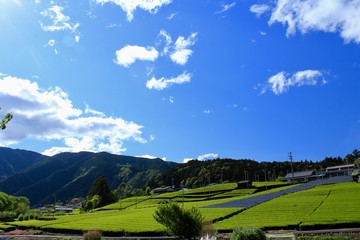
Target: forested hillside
(13,161)
(68,175)
(199,173)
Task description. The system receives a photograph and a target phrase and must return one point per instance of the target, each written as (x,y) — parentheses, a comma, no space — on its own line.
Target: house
(300,176)
(244,184)
(160,190)
(339,170)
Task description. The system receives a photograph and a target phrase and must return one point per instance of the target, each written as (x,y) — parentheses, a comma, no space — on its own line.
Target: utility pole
(265,179)
(292,169)
(182,193)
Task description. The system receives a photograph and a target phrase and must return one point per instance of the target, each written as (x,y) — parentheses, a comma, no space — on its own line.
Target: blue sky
(182,79)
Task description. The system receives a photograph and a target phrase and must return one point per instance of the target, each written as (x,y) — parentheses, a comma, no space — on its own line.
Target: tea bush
(248,233)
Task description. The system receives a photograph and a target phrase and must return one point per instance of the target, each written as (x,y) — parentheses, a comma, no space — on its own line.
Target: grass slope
(327,204)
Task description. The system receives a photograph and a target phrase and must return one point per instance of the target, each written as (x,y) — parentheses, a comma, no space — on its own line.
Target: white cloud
(77,38)
(50,43)
(47,115)
(129,54)
(164,39)
(59,21)
(208,111)
(282,81)
(172,16)
(129,6)
(208,156)
(113,25)
(187,160)
(259,9)
(205,157)
(89,110)
(225,7)
(171,99)
(151,157)
(181,52)
(162,83)
(319,15)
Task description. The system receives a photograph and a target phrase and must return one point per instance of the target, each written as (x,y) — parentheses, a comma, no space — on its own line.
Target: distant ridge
(15,160)
(68,175)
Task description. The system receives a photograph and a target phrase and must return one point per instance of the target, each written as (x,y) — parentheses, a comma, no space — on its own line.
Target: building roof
(340,167)
(302,174)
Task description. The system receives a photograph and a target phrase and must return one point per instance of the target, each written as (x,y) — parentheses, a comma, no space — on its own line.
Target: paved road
(253,201)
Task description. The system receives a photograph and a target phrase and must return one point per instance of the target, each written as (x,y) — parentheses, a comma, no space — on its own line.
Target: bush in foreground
(179,222)
(92,235)
(248,233)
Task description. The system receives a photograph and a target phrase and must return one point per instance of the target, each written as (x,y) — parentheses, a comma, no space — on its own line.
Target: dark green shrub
(179,222)
(92,235)
(60,213)
(20,217)
(26,217)
(248,233)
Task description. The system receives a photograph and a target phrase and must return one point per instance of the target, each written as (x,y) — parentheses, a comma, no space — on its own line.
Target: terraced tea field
(325,205)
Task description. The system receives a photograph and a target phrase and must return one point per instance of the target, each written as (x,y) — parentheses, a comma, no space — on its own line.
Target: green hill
(15,160)
(69,175)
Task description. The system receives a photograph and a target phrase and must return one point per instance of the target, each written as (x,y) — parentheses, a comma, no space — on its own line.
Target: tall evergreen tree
(101,188)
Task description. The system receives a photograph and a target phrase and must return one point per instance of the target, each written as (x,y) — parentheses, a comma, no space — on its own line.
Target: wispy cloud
(50,115)
(129,6)
(129,54)
(50,43)
(225,7)
(282,81)
(259,9)
(182,52)
(208,111)
(162,83)
(164,40)
(151,157)
(336,16)
(89,110)
(208,156)
(187,160)
(179,51)
(58,21)
(172,16)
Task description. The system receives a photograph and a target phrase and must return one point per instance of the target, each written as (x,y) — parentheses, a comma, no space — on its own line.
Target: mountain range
(45,179)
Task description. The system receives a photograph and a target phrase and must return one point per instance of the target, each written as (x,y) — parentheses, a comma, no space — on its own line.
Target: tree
(179,222)
(96,200)
(5,121)
(101,188)
(204,176)
(248,233)
(357,163)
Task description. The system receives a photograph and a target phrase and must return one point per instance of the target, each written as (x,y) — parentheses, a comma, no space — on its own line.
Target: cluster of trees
(199,173)
(99,195)
(12,206)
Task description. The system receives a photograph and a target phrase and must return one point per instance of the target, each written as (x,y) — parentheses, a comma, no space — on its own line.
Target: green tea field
(323,206)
